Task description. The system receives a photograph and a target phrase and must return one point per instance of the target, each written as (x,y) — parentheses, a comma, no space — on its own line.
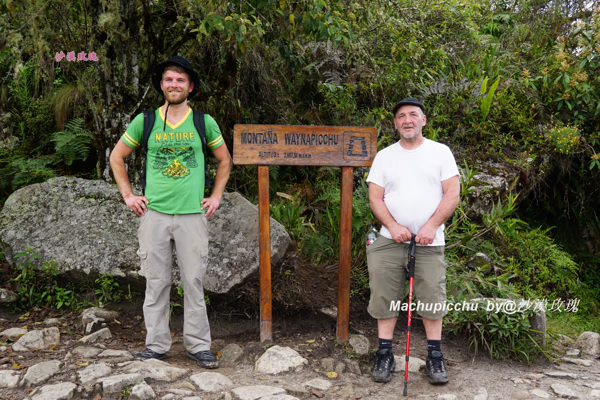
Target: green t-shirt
(175,162)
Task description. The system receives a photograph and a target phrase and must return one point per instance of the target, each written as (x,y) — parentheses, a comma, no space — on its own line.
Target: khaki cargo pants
(158,233)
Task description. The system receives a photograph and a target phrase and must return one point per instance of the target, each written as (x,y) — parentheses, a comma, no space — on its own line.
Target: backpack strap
(149,118)
(200,127)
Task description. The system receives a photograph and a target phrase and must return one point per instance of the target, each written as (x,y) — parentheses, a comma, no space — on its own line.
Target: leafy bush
(73,143)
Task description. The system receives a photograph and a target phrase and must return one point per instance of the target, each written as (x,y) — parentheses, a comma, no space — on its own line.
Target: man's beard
(176,102)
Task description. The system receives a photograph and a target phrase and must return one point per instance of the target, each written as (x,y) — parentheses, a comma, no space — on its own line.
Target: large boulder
(86,228)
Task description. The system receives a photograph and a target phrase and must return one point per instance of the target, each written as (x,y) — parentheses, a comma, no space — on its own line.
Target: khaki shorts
(387,262)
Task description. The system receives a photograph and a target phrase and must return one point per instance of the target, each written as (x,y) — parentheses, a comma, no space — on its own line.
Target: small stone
(38,339)
(170,396)
(142,391)
(231,353)
(279,359)
(279,397)
(360,344)
(331,312)
(86,351)
(92,318)
(59,391)
(540,393)
(414,364)
(155,369)
(560,374)
(296,389)
(40,373)
(565,338)
(94,337)
(482,394)
(211,381)
(353,367)
(51,322)
(446,396)
(521,395)
(255,392)
(327,364)
(13,333)
(347,391)
(116,353)
(578,361)
(319,384)
(181,392)
(93,372)
(563,391)
(340,368)
(184,386)
(9,379)
(535,376)
(6,296)
(573,352)
(115,383)
(517,380)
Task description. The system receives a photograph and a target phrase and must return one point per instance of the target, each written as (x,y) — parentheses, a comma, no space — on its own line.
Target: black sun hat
(408,101)
(158,70)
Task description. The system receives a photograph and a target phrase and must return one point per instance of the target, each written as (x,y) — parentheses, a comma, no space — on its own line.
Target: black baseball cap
(158,70)
(408,101)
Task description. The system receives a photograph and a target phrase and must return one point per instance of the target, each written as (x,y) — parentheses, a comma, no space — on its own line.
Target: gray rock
(327,364)
(319,384)
(538,324)
(86,228)
(563,391)
(279,359)
(595,385)
(589,342)
(59,391)
(540,393)
(331,312)
(13,333)
(489,186)
(115,383)
(9,379)
(255,392)
(38,339)
(479,261)
(211,381)
(94,337)
(592,394)
(92,318)
(184,385)
(51,322)
(482,394)
(6,296)
(40,373)
(577,361)
(340,368)
(560,374)
(181,392)
(142,391)
(565,338)
(296,389)
(521,395)
(198,398)
(353,367)
(93,372)
(360,344)
(446,397)
(279,397)
(86,351)
(170,396)
(346,392)
(573,352)
(414,364)
(155,369)
(231,353)
(122,354)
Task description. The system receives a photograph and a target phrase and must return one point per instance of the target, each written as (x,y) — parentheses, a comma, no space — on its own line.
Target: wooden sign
(342,146)
(345,147)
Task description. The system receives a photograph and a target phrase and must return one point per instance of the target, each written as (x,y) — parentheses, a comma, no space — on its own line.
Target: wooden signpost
(341,146)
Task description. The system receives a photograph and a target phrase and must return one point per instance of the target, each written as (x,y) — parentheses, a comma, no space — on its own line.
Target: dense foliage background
(514,82)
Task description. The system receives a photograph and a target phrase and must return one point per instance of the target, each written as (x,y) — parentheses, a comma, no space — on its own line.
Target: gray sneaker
(383,366)
(148,354)
(205,359)
(435,368)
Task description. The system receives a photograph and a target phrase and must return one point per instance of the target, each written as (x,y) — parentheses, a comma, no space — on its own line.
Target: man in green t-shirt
(174,209)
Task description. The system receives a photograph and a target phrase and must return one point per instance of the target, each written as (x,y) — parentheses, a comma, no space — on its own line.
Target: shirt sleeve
(213,134)
(135,132)
(376,173)
(449,167)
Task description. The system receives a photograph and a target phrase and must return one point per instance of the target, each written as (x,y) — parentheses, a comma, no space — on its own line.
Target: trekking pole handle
(411,256)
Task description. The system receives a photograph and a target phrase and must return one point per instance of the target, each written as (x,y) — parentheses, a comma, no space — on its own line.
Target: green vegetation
(512,82)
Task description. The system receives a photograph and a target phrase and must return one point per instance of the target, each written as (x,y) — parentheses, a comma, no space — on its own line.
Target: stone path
(95,367)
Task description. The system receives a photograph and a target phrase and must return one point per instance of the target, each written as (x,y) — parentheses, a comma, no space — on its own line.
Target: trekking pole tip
(405,389)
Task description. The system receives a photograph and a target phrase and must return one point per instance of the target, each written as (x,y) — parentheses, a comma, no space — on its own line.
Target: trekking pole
(410,275)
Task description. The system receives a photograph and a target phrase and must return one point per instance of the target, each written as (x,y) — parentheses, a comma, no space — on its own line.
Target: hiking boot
(148,354)
(205,359)
(383,366)
(435,368)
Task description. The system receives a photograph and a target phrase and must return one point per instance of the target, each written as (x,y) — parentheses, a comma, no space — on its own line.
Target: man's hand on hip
(137,204)
(400,233)
(426,235)
(210,204)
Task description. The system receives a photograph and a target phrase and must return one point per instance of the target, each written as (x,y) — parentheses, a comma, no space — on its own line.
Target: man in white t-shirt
(413,189)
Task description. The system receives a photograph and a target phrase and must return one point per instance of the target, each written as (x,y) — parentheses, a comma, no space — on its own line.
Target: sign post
(345,147)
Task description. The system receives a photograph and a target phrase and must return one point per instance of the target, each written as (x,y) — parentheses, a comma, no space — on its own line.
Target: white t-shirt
(412,183)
